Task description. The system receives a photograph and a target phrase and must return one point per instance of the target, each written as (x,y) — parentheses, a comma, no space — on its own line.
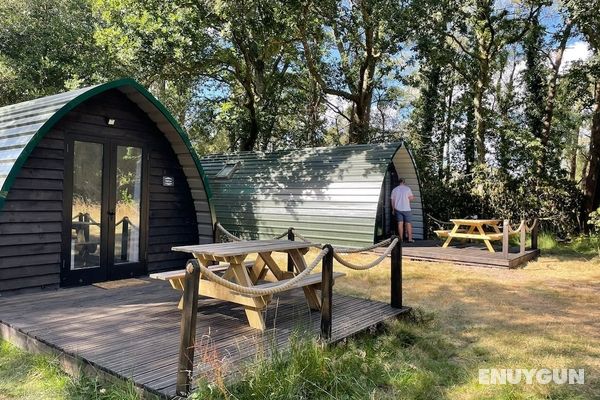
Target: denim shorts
(403,216)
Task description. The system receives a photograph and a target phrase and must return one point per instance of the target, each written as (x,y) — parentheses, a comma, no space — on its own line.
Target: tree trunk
(479,108)
(445,137)
(550,99)
(573,161)
(361,118)
(248,141)
(591,181)
(469,142)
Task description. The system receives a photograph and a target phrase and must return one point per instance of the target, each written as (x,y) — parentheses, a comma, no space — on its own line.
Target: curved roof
(23,125)
(330,194)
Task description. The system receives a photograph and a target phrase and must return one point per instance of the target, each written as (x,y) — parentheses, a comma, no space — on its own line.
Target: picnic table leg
(487,242)
(314,302)
(254,314)
(449,239)
(274,268)
(258,270)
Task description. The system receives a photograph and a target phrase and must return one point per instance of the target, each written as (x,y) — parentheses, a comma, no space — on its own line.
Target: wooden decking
(133,332)
(467,254)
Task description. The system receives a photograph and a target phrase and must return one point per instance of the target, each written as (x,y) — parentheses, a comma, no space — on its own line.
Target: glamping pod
(334,195)
(96,184)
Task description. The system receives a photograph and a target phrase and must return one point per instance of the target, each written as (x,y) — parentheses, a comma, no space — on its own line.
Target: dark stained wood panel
(133,332)
(30,222)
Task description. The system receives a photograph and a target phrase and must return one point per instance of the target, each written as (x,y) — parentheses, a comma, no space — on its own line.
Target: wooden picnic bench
(475,229)
(262,272)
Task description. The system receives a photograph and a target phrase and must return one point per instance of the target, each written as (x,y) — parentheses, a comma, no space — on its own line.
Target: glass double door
(104,202)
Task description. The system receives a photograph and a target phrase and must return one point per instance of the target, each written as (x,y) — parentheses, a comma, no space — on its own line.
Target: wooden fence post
(534,234)
(396,275)
(290,262)
(505,243)
(187,332)
(215,233)
(523,237)
(327,293)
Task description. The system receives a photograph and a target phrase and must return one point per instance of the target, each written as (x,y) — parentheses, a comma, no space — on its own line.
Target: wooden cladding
(31,221)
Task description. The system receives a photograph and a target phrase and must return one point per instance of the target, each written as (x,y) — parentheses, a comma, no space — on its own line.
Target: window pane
(129,195)
(87,205)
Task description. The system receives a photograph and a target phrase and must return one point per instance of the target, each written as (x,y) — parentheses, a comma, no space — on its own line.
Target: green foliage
(594,219)
(581,246)
(230,70)
(491,193)
(489,137)
(47,46)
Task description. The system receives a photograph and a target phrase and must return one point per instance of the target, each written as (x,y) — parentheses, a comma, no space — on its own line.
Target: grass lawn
(26,376)
(546,315)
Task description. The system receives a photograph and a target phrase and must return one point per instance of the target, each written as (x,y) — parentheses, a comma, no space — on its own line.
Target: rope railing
(235,238)
(524,225)
(299,235)
(282,235)
(533,225)
(340,250)
(130,224)
(373,263)
(255,291)
(228,234)
(439,221)
(518,229)
(344,250)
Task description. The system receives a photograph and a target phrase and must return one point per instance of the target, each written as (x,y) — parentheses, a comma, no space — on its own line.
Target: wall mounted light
(110,121)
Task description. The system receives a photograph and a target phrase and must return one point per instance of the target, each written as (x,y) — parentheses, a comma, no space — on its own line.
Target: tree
(586,17)
(556,63)
(238,56)
(348,47)
(47,46)
(481,31)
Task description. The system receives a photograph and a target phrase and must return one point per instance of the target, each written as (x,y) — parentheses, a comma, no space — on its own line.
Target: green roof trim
(70,105)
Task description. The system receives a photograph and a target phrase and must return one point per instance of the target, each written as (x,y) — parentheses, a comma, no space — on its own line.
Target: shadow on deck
(468,254)
(133,332)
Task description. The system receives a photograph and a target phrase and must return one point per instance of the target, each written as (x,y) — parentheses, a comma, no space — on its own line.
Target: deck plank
(134,332)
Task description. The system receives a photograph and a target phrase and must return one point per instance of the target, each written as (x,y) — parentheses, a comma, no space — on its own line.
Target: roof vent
(228,170)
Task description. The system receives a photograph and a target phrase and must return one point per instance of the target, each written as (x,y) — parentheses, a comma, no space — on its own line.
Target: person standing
(401,198)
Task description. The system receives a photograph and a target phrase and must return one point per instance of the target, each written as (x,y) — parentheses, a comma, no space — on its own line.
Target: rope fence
(390,243)
(255,291)
(374,263)
(343,250)
(195,271)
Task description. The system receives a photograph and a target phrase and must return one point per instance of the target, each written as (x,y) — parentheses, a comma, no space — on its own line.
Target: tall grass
(586,246)
(26,376)
(404,361)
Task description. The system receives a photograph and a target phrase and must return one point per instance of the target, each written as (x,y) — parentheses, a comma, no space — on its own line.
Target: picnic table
(474,229)
(235,267)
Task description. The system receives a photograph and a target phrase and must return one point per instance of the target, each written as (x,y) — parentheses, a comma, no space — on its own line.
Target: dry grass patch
(545,315)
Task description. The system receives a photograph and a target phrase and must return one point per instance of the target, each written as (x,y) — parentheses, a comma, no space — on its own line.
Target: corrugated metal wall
(405,168)
(331,195)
